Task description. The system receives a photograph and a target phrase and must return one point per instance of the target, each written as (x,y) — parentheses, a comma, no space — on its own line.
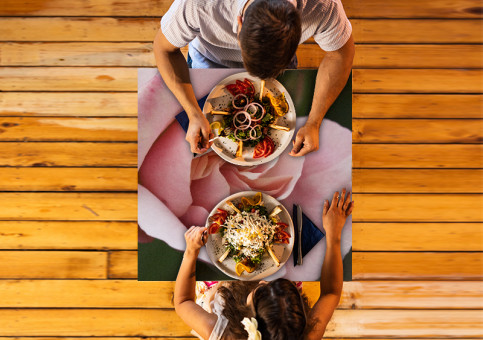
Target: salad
(249,117)
(248,231)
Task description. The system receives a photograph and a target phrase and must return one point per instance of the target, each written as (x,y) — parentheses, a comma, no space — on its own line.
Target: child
(274,310)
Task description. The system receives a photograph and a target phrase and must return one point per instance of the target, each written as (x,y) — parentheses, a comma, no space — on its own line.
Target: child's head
(280,310)
(278,307)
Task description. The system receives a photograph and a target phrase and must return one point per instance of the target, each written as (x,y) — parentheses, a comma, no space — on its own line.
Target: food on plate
(278,127)
(248,231)
(279,104)
(249,118)
(264,148)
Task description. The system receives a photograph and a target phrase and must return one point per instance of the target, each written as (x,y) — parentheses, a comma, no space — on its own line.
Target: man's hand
(335,214)
(199,133)
(307,140)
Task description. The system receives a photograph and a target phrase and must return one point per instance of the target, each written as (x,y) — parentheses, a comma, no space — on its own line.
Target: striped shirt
(210,28)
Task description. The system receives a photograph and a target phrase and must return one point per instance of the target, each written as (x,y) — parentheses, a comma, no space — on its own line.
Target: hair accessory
(251,326)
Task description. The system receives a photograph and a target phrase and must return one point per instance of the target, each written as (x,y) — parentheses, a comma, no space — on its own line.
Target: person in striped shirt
(261,36)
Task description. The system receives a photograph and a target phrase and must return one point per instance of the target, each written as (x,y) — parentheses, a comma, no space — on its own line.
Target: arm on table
(173,68)
(331,78)
(184,290)
(331,277)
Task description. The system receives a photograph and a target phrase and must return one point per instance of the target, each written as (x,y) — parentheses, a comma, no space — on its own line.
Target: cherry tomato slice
(242,86)
(232,88)
(213,228)
(222,213)
(251,88)
(283,234)
(259,150)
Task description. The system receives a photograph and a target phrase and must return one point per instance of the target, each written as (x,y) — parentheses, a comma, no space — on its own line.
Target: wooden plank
(68,79)
(69,206)
(417,156)
(418,208)
(353,8)
(416,81)
(417,131)
(417,237)
(67,235)
(398,56)
(416,265)
(77,54)
(417,31)
(79,29)
(84,8)
(42,154)
(91,322)
(417,106)
(68,104)
(123,265)
(309,55)
(52,265)
(418,56)
(86,294)
(412,9)
(411,295)
(68,179)
(381,31)
(68,129)
(417,181)
(151,294)
(148,322)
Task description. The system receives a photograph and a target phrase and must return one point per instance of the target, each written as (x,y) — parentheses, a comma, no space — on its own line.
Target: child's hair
(280,309)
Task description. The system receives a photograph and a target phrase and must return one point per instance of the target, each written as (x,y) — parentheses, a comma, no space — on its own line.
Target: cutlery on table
(299,225)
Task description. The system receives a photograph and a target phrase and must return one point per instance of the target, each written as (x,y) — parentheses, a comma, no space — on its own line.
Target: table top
(328,169)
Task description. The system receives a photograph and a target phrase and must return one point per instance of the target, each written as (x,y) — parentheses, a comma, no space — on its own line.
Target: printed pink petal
(158,221)
(195,215)
(166,171)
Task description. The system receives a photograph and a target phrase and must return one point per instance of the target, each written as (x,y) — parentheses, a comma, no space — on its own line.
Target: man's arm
(331,277)
(173,68)
(331,78)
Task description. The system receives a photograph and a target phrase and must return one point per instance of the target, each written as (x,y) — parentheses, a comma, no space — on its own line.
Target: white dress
(212,302)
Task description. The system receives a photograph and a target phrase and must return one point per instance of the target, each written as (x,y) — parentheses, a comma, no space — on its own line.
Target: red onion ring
(237,96)
(254,129)
(242,124)
(252,114)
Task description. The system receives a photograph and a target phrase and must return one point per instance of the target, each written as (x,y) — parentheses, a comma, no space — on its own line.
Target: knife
(299,224)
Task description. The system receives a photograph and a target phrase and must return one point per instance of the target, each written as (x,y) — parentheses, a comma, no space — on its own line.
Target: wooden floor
(68,132)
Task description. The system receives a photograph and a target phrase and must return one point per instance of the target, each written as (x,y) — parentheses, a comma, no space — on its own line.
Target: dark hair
(269,37)
(235,295)
(280,310)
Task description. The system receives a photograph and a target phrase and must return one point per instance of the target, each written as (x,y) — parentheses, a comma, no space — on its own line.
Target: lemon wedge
(216,126)
(239,268)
